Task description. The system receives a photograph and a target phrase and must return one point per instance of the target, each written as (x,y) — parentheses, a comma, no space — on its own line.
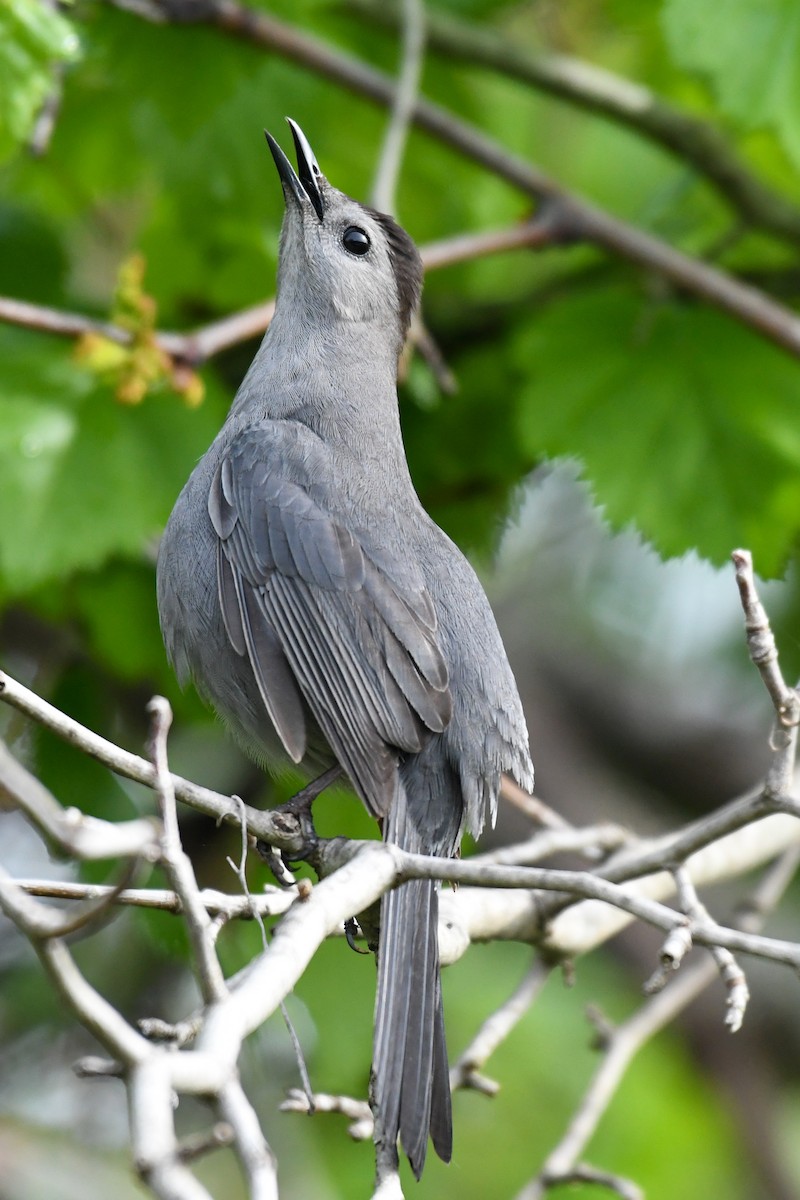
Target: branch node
(94,1067)
(196,1145)
(476,1081)
(603,1028)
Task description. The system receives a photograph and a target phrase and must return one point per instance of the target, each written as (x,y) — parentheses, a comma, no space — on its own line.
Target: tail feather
(411,1087)
(441,1110)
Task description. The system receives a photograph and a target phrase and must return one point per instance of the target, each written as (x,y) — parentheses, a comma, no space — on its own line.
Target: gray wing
(321,623)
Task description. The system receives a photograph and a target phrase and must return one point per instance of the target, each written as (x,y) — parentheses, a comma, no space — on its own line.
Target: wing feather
(325,625)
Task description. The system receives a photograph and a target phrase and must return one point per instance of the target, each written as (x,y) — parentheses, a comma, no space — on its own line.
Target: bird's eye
(355,240)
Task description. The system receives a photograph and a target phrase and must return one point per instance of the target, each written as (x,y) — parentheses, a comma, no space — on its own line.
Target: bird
(325,616)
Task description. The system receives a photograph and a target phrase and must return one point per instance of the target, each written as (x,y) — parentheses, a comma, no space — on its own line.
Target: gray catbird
(327,619)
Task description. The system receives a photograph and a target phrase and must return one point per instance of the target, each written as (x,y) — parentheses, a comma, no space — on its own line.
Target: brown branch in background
(578,218)
(594,89)
(55,320)
(204,342)
(191,348)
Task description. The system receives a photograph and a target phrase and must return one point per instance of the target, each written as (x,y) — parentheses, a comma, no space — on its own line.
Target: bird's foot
(351,932)
(296,813)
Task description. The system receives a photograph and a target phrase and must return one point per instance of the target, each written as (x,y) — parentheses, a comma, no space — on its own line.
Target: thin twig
(358,1112)
(84,837)
(196,1145)
(91,912)
(731,973)
(761,642)
(384,189)
(240,870)
(622,1043)
(272,903)
(177,865)
(257,1159)
(592,841)
(764,656)
(261,822)
(466,1071)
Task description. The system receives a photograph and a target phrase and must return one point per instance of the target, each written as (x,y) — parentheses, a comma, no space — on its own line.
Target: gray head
(341,261)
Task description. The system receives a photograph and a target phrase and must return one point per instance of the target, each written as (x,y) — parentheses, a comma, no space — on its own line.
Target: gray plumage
(325,616)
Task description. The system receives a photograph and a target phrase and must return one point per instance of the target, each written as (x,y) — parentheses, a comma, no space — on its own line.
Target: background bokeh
(610,442)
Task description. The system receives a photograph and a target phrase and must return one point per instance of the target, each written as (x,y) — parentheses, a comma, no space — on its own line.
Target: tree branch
(177,865)
(623,1043)
(268,826)
(597,90)
(412,24)
(272,903)
(198,345)
(577,217)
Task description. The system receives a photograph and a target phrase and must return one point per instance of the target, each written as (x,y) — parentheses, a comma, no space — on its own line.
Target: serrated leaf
(749,52)
(686,423)
(83,478)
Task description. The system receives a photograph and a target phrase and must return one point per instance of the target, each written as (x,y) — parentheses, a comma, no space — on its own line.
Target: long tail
(411,1081)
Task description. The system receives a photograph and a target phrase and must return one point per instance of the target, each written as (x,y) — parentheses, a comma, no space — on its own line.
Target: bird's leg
(301,802)
(298,807)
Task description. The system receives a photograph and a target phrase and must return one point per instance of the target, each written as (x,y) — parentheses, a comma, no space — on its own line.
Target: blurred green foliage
(686,425)
(33,38)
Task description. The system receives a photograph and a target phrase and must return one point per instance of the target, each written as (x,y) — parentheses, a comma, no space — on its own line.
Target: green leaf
(33,37)
(83,478)
(686,423)
(749,51)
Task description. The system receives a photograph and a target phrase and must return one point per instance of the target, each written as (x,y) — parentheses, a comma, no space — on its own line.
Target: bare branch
(677,945)
(532,806)
(262,823)
(74,832)
(568,933)
(196,1145)
(197,346)
(92,1009)
(177,865)
(258,1161)
(465,1072)
(272,903)
(584,1173)
(731,973)
(358,1112)
(469,915)
(621,1044)
(761,642)
(413,47)
(597,90)
(592,841)
(156,1152)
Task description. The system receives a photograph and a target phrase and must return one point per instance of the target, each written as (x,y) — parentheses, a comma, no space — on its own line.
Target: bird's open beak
(307,186)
